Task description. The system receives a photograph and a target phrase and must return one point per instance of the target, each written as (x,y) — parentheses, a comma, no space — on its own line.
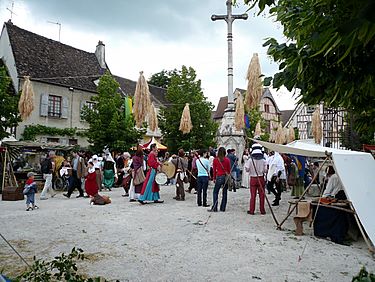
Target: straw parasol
(26,102)
(258,130)
(240,112)
(153,118)
(185,123)
(254,85)
(291,136)
(142,101)
(317,126)
(280,134)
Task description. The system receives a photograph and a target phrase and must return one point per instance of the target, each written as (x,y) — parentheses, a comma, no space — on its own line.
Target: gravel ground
(175,241)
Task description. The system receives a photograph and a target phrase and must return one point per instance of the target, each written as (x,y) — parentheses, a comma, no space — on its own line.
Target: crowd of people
(136,174)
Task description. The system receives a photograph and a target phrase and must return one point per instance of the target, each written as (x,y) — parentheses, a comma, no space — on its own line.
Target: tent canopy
(355,170)
(152,141)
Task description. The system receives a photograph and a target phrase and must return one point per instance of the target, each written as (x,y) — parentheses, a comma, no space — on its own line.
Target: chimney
(100,54)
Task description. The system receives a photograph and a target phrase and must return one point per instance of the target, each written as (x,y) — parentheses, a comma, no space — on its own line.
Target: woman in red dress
(91,185)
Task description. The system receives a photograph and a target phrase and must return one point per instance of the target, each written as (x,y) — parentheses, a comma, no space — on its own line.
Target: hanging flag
(128,106)
(247,121)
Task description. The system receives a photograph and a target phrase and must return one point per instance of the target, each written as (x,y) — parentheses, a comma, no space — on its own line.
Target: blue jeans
(220,181)
(30,198)
(202,187)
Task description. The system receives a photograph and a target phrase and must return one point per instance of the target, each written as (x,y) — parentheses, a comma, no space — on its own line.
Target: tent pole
(304,193)
(368,243)
(4,170)
(264,192)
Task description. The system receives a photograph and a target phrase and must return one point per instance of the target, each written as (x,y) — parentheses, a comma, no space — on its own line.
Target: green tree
(328,53)
(162,79)
(255,115)
(109,126)
(184,87)
(9,115)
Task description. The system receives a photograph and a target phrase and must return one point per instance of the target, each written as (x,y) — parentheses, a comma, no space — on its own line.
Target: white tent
(355,170)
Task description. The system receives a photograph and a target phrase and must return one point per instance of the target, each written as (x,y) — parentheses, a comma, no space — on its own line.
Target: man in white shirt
(256,166)
(276,173)
(334,186)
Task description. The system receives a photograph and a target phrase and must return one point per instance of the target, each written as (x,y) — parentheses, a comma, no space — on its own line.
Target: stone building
(64,79)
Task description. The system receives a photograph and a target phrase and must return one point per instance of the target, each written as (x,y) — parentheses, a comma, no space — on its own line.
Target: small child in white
(30,190)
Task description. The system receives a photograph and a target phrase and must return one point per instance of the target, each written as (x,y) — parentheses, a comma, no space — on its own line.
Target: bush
(61,268)
(364,276)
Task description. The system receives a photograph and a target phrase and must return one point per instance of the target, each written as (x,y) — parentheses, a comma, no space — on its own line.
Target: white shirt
(260,165)
(276,164)
(334,185)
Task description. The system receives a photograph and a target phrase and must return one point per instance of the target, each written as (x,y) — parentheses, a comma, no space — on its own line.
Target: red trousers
(254,188)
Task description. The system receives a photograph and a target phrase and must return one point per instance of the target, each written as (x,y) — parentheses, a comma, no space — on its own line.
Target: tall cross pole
(229,18)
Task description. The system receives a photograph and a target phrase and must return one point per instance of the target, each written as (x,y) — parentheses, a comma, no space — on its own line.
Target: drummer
(181,165)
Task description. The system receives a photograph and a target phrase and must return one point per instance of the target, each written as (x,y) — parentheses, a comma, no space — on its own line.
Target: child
(30,190)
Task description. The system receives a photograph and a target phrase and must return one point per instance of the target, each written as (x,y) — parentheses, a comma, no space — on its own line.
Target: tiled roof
(223,102)
(52,62)
(42,59)
(285,116)
(128,86)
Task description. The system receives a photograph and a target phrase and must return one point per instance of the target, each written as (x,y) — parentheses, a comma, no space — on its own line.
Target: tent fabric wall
(355,170)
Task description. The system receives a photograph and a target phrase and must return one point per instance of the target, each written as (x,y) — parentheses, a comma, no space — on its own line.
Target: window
(266,108)
(54,106)
(73,142)
(53,140)
(90,105)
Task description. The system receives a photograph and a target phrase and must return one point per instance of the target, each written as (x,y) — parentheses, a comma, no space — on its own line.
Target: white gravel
(175,241)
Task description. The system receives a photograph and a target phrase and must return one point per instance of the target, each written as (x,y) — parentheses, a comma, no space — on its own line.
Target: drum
(161,178)
(169,169)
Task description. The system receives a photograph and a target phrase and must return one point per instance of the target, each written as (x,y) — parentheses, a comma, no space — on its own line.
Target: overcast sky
(155,35)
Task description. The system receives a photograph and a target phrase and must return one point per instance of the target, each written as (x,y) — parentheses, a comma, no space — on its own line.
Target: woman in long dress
(138,167)
(245,182)
(91,186)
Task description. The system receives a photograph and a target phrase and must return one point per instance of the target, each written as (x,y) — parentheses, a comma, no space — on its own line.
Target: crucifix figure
(229,18)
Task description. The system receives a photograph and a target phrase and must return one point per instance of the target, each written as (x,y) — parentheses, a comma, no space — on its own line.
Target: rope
(15,250)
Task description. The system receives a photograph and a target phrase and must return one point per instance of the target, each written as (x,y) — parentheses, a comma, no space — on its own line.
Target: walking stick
(304,192)
(264,192)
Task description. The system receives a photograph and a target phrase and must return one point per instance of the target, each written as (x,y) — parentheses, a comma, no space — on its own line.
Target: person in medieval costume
(91,187)
(138,167)
(126,173)
(109,172)
(181,165)
(150,189)
(299,163)
(245,182)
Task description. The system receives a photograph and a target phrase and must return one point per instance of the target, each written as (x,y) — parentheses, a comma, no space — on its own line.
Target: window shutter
(44,105)
(64,107)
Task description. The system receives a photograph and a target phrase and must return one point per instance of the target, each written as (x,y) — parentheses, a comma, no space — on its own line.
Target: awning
(152,141)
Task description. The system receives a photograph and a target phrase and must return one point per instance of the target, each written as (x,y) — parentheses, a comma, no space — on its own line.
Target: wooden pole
(4,170)
(304,193)
(368,243)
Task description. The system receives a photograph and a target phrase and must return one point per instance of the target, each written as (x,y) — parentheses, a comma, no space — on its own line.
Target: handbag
(228,178)
(139,176)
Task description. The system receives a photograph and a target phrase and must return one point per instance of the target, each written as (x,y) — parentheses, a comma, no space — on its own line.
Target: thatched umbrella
(142,101)
(254,85)
(185,123)
(258,130)
(240,112)
(317,126)
(291,136)
(153,118)
(26,102)
(280,134)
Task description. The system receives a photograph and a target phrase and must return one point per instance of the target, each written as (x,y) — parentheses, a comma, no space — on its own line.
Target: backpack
(46,166)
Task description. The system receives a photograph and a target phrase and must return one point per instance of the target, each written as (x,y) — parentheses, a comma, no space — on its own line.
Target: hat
(94,157)
(29,174)
(256,151)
